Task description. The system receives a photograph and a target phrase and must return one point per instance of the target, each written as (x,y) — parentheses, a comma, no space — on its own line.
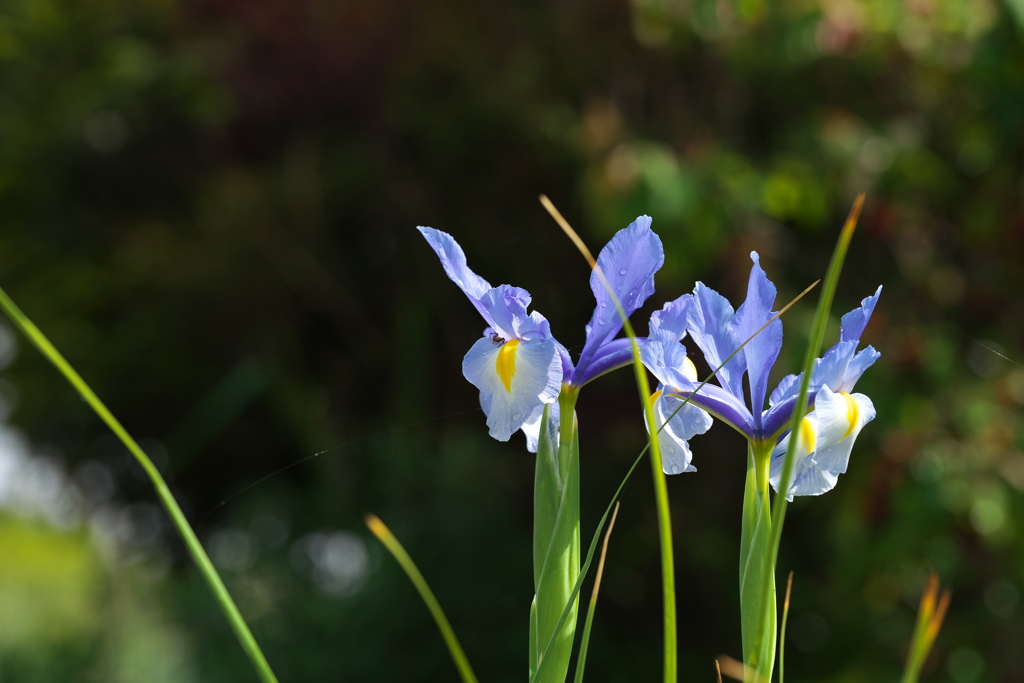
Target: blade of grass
(381,531)
(585,638)
(782,631)
(800,409)
(195,548)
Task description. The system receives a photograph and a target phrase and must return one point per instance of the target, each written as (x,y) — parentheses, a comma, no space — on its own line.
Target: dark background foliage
(210,208)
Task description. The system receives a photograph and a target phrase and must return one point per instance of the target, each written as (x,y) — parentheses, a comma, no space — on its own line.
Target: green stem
(757,570)
(195,548)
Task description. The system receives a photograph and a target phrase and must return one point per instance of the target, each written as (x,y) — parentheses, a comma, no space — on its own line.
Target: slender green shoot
(929,620)
(800,408)
(782,631)
(195,548)
(585,638)
(380,530)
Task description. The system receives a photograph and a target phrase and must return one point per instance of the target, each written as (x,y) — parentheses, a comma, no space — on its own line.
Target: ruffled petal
(668,362)
(681,425)
(761,351)
(841,416)
(669,324)
(453,260)
(629,262)
(708,322)
(514,378)
(835,422)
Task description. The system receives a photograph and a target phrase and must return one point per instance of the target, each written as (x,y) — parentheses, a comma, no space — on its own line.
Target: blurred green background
(210,208)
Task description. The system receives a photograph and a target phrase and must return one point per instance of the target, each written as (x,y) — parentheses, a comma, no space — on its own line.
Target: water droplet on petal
(622,271)
(600,321)
(604,304)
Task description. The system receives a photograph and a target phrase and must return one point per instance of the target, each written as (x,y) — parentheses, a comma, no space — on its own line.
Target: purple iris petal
(853,323)
(669,324)
(453,260)
(612,355)
(708,323)
(629,262)
(761,351)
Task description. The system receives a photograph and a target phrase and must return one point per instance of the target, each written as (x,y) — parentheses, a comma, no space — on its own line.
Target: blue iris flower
(827,432)
(518,366)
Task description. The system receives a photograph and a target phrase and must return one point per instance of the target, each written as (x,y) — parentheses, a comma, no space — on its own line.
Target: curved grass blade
(765,655)
(585,638)
(195,548)
(782,630)
(381,531)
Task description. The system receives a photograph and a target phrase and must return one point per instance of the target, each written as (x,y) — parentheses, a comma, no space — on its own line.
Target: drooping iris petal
(669,324)
(629,262)
(709,319)
(761,351)
(682,423)
(514,378)
(453,260)
(826,438)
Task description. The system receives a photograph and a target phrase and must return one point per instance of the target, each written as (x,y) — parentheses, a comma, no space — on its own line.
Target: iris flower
(517,365)
(827,433)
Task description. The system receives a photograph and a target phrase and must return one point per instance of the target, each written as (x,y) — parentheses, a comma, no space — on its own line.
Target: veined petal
(669,324)
(708,324)
(761,351)
(841,416)
(835,422)
(853,323)
(453,260)
(681,425)
(514,378)
(629,262)
(808,479)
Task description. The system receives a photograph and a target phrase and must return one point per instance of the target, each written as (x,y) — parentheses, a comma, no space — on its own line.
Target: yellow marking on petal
(690,370)
(807,438)
(506,363)
(654,397)
(852,413)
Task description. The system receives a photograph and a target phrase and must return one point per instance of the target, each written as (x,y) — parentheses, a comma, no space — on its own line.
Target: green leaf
(556,544)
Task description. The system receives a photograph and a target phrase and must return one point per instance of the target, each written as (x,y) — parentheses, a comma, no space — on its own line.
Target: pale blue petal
(669,324)
(708,323)
(861,362)
(668,361)
(537,380)
(761,351)
(453,260)
(853,323)
(789,387)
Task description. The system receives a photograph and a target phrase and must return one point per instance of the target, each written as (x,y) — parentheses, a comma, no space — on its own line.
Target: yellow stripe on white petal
(852,414)
(514,378)
(506,363)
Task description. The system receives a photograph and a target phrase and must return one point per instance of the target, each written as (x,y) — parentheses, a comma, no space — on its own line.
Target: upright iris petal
(629,262)
(517,365)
